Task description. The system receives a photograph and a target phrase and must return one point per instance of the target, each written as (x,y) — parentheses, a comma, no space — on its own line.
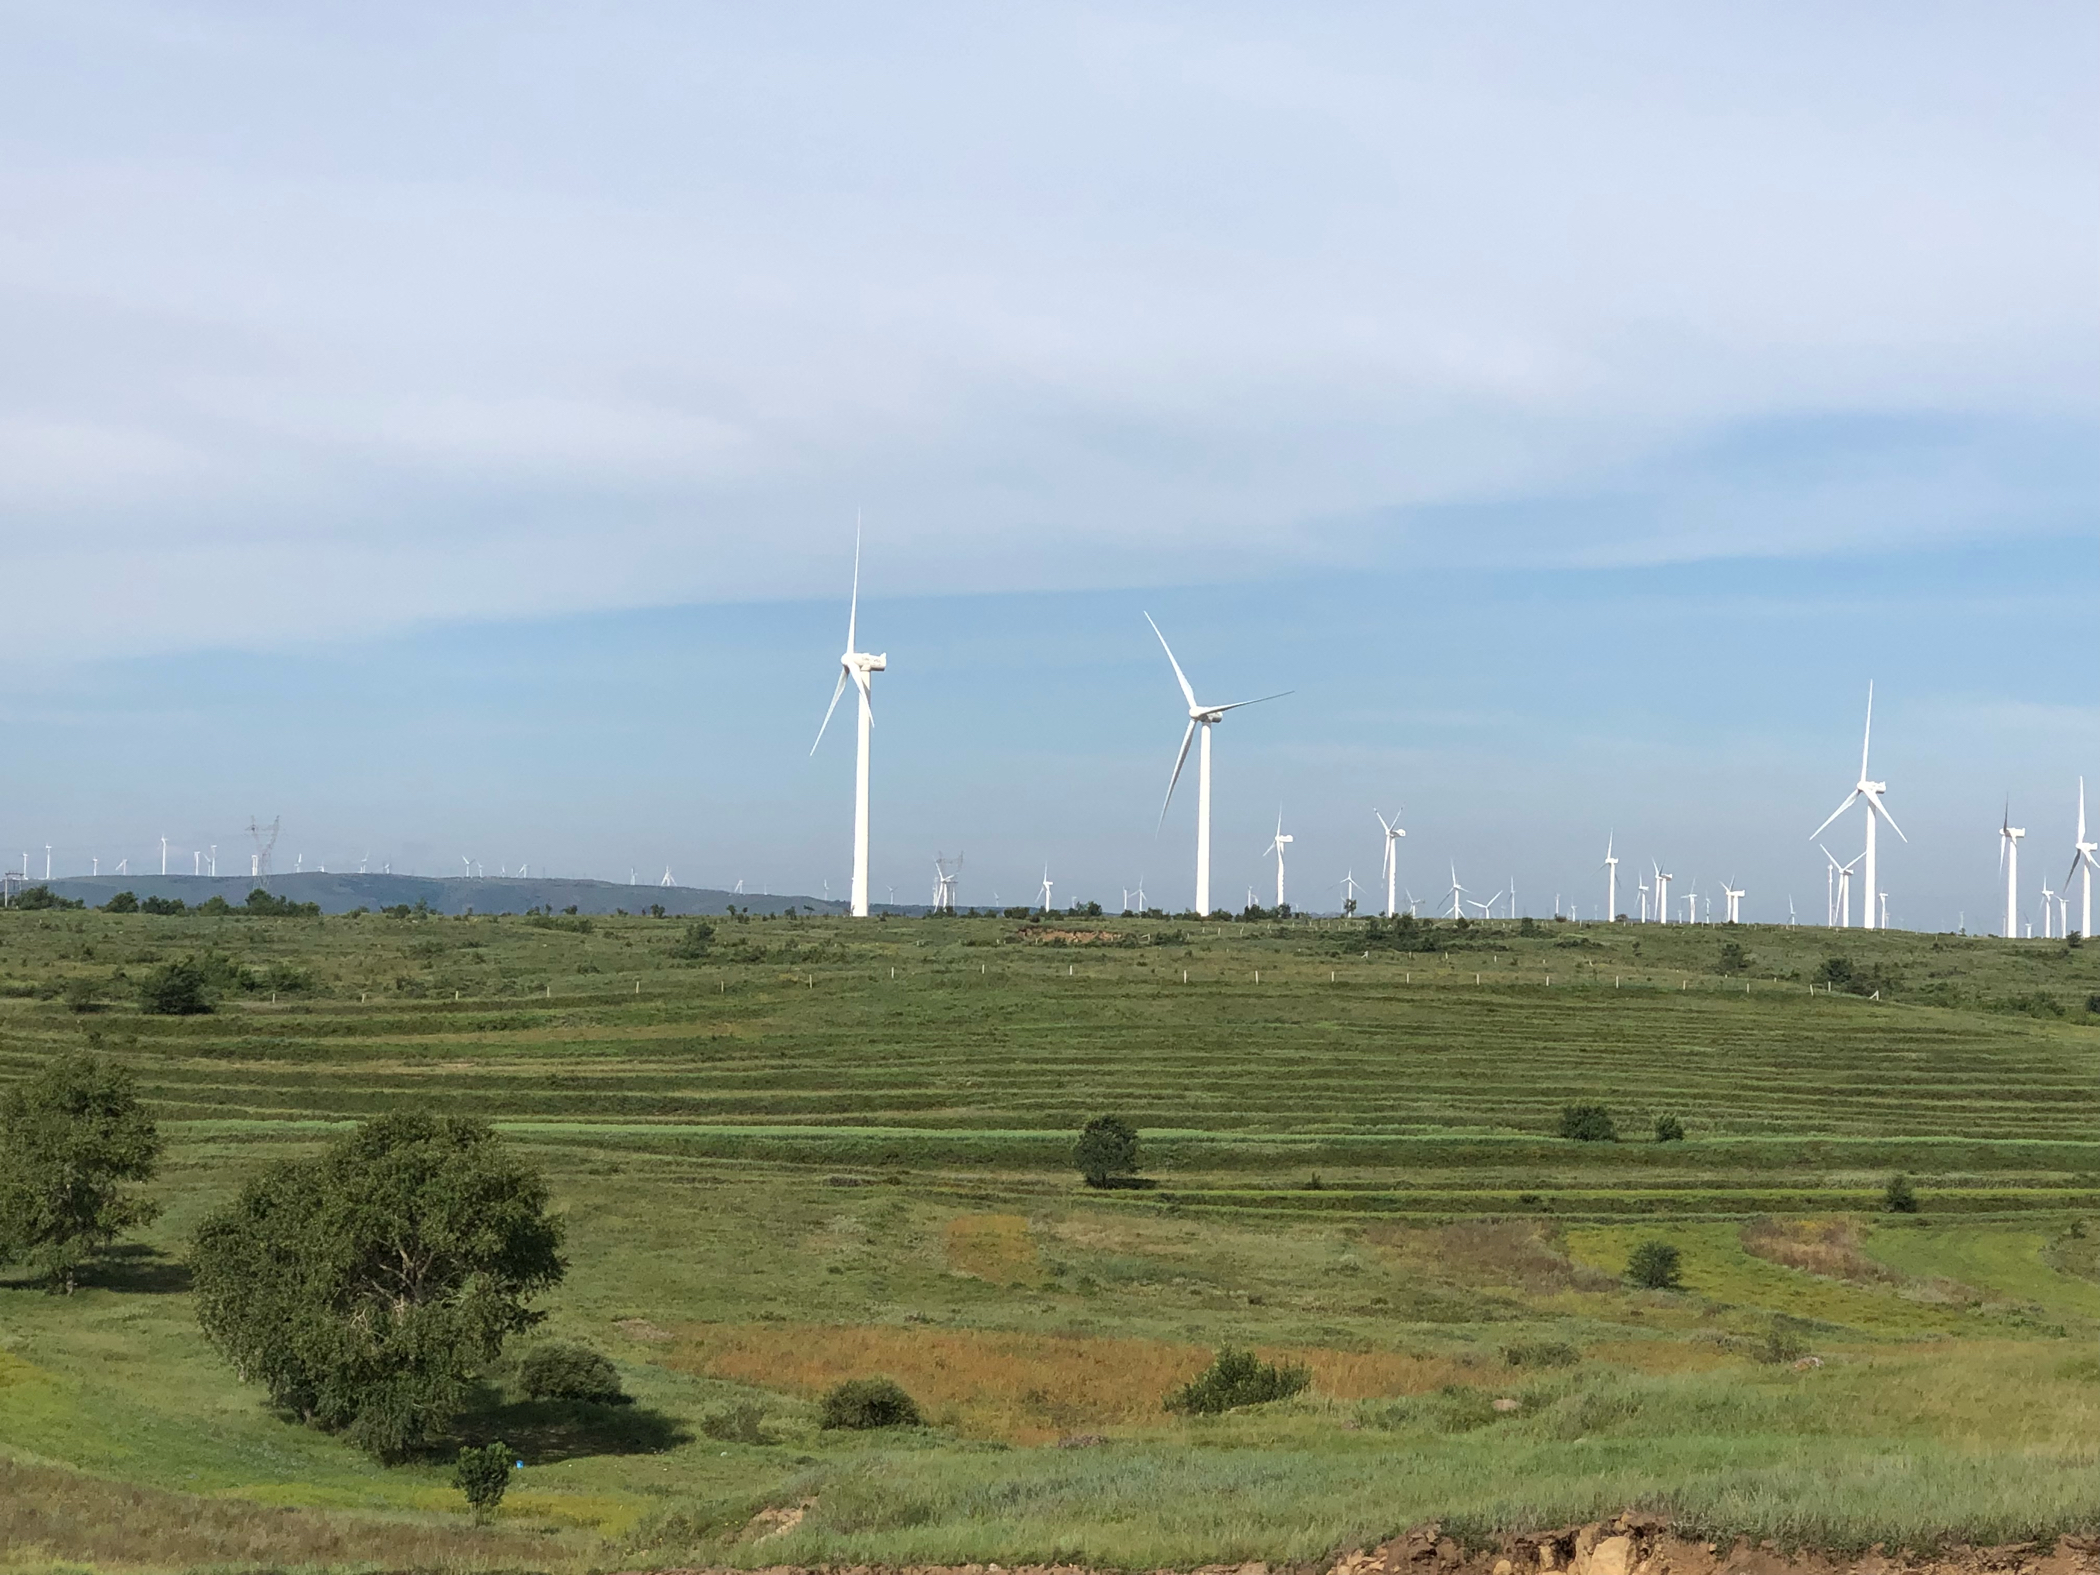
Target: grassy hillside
(821,1150)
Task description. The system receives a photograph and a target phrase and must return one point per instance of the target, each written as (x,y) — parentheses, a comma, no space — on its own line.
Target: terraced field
(819,1147)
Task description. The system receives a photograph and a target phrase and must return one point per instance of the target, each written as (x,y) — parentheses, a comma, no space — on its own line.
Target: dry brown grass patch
(993,1247)
(1523,1254)
(1829,1247)
(1029,1388)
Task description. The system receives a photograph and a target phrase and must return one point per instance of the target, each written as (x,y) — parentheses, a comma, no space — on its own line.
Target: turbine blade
(1849,797)
(1180,760)
(829,709)
(1180,677)
(1264,700)
(1875,800)
(1868,737)
(853,607)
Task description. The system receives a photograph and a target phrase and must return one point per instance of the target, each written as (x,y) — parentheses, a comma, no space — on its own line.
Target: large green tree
(71,1140)
(366,1287)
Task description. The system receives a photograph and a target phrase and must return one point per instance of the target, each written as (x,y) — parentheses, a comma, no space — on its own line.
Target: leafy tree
(122,902)
(45,897)
(70,1138)
(163,905)
(1588,1124)
(365,1288)
(1734,959)
(1107,1148)
(1900,1197)
(1668,1129)
(175,989)
(261,903)
(1835,972)
(868,1403)
(482,1475)
(1236,1378)
(1656,1266)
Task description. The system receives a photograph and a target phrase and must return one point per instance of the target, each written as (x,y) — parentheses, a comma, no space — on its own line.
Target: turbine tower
(1870,791)
(1735,902)
(1457,910)
(1662,895)
(1610,866)
(2082,864)
(945,872)
(1393,834)
(856,666)
(2009,837)
(1276,847)
(1045,894)
(1205,717)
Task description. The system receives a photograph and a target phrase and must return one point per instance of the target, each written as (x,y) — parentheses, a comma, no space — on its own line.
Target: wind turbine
(1046,888)
(1393,834)
(1844,875)
(1487,909)
(2082,864)
(1348,886)
(1870,791)
(1610,866)
(1206,717)
(1457,909)
(1276,847)
(2009,837)
(857,666)
(1644,900)
(1662,894)
(1735,902)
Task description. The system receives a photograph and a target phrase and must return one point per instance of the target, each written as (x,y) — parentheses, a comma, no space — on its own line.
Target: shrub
(482,1475)
(1655,1266)
(175,989)
(45,897)
(1107,1148)
(569,1372)
(1588,1124)
(122,902)
(1236,1378)
(737,1424)
(80,994)
(1541,1353)
(162,905)
(1733,958)
(1668,1129)
(698,940)
(1835,972)
(867,1403)
(1900,1197)
(1785,1341)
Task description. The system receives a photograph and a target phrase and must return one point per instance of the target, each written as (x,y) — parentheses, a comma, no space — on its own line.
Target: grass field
(827,1150)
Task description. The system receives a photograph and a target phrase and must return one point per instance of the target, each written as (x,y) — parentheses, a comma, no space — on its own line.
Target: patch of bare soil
(1523,1254)
(1832,1248)
(1632,1544)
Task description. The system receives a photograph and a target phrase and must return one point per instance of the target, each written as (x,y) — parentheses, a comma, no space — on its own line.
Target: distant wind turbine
(1047,884)
(1393,834)
(1610,866)
(1734,898)
(1206,717)
(2009,837)
(1457,891)
(857,667)
(2082,865)
(1870,791)
(1276,846)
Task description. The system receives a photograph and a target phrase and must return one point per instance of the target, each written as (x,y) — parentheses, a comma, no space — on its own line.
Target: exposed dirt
(1632,1544)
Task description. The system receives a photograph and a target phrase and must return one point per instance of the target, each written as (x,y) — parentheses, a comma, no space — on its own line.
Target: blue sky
(445,431)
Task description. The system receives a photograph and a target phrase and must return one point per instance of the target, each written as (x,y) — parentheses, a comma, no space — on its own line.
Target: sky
(444,429)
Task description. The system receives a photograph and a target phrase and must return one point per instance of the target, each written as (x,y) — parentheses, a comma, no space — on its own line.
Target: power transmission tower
(265,844)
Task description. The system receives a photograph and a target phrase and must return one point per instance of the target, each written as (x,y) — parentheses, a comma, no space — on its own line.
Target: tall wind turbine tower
(1870,791)
(1662,894)
(1205,717)
(1393,834)
(857,666)
(1610,866)
(2009,837)
(1276,847)
(2082,864)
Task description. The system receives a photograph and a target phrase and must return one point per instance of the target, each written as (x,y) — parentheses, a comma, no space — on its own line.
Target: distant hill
(340,893)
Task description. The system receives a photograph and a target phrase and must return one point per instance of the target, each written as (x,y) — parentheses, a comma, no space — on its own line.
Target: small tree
(569,1372)
(80,994)
(1236,1378)
(482,1475)
(1655,1266)
(1588,1124)
(366,1287)
(1900,1197)
(175,989)
(70,1138)
(122,902)
(697,942)
(1668,1129)
(1733,958)
(1107,1148)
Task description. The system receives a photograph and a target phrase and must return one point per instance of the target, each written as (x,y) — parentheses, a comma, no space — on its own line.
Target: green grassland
(823,1149)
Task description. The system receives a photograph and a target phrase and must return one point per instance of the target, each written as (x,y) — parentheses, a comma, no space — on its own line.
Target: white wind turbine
(1662,895)
(1393,834)
(1735,902)
(1276,847)
(2009,837)
(1487,909)
(1844,875)
(1871,791)
(856,666)
(1348,886)
(1457,891)
(1206,717)
(1610,866)
(2082,864)
(1045,894)
(1643,889)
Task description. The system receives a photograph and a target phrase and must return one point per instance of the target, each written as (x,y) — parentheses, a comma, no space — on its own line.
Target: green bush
(175,989)
(1785,1341)
(1588,1124)
(1107,1148)
(122,902)
(696,943)
(1541,1353)
(1733,958)
(569,1372)
(45,897)
(1655,1266)
(1900,1197)
(868,1403)
(1668,1129)
(80,993)
(1236,1378)
(162,905)
(737,1424)
(482,1475)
